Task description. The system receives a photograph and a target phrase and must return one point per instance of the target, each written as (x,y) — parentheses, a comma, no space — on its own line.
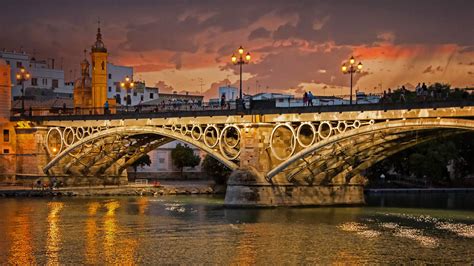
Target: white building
(139,94)
(231,93)
(162,164)
(44,75)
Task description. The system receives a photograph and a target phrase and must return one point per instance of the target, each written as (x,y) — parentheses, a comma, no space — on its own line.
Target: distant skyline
(295,45)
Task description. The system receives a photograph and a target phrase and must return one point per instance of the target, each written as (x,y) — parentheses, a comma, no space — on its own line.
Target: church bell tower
(99,72)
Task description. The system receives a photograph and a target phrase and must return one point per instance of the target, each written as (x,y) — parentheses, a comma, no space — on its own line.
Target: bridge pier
(244,190)
(249,187)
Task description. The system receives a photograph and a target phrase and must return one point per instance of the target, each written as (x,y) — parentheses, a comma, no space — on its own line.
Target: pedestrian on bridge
(305,98)
(310,98)
(106,107)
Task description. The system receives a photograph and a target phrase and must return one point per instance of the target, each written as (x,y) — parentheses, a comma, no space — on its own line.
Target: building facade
(44,75)
(162,165)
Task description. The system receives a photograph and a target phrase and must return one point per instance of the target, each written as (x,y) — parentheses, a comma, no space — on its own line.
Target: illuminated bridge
(279,156)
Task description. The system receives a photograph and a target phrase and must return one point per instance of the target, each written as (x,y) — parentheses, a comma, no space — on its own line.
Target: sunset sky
(296,45)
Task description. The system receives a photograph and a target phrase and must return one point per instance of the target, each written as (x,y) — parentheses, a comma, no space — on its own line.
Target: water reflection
(117,250)
(91,252)
(191,230)
(53,243)
(21,249)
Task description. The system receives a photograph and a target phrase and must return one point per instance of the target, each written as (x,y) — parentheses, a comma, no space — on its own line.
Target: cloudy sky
(296,45)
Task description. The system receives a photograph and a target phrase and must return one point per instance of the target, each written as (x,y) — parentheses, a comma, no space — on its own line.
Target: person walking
(418,92)
(402,95)
(305,98)
(223,101)
(310,99)
(106,107)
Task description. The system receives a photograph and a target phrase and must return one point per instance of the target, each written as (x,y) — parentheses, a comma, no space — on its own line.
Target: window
(45,82)
(151,95)
(6,135)
(117,98)
(110,76)
(34,82)
(141,98)
(6,151)
(55,83)
(8,62)
(110,89)
(19,64)
(161,160)
(134,93)
(103,65)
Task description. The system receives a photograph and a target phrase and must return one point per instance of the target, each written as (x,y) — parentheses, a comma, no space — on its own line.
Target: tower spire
(99,35)
(99,44)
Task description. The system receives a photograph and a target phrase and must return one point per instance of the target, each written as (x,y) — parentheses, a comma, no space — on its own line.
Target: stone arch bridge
(298,156)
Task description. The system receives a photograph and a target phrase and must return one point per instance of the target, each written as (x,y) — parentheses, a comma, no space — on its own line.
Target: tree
(183,156)
(142,161)
(217,170)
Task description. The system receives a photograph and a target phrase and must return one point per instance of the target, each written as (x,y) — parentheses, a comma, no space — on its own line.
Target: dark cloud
(299,38)
(259,34)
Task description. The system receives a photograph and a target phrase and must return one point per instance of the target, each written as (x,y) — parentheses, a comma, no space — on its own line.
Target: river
(435,228)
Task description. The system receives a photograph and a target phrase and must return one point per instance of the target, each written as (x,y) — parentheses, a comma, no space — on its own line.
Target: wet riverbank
(168,188)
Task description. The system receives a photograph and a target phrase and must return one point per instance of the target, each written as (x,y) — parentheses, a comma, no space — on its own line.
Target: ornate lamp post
(21,77)
(127,84)
(241,60)
(351,68)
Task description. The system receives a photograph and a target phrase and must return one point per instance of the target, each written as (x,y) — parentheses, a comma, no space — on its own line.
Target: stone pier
(249,187)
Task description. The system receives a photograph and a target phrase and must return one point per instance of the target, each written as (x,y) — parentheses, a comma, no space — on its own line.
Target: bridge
(279,156)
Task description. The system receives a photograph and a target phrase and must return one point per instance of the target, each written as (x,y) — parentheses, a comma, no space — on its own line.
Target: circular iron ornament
(298,134)
(184,130)
(324,134)
(356,124)
(59,139)
(341,126)
(208,130)
(69,136)
(222,142)
(194,134)
(79,133)
(292,142)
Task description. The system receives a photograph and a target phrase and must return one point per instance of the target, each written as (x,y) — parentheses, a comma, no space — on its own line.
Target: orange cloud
(390,51)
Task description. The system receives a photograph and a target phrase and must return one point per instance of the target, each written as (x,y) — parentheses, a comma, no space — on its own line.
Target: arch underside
(341,159)
(110,152)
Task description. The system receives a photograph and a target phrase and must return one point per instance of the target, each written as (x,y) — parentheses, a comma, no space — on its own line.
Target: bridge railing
(123,110)
(233,107)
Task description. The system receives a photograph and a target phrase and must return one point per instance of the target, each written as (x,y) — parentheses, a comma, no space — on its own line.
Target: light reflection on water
(197,230)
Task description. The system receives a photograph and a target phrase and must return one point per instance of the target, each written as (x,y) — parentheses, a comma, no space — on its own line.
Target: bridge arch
(129,131)
(398,129)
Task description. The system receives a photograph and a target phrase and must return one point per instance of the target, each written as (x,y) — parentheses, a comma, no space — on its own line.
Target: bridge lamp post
(21,77)
(127,84)
(351,68)
(241,60)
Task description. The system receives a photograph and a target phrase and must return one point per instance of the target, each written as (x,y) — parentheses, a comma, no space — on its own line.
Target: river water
(435,228)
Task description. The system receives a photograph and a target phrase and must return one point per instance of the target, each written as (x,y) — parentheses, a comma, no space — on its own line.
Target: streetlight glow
(127,84)
(241,60)
(21,77)
(352,60)
(351,68)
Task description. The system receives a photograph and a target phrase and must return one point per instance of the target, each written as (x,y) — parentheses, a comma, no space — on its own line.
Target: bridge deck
(256,110)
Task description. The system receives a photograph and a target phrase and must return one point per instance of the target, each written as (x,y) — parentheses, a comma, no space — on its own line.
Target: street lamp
(21,77)
(127,84)
(351,68)
(241,60)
